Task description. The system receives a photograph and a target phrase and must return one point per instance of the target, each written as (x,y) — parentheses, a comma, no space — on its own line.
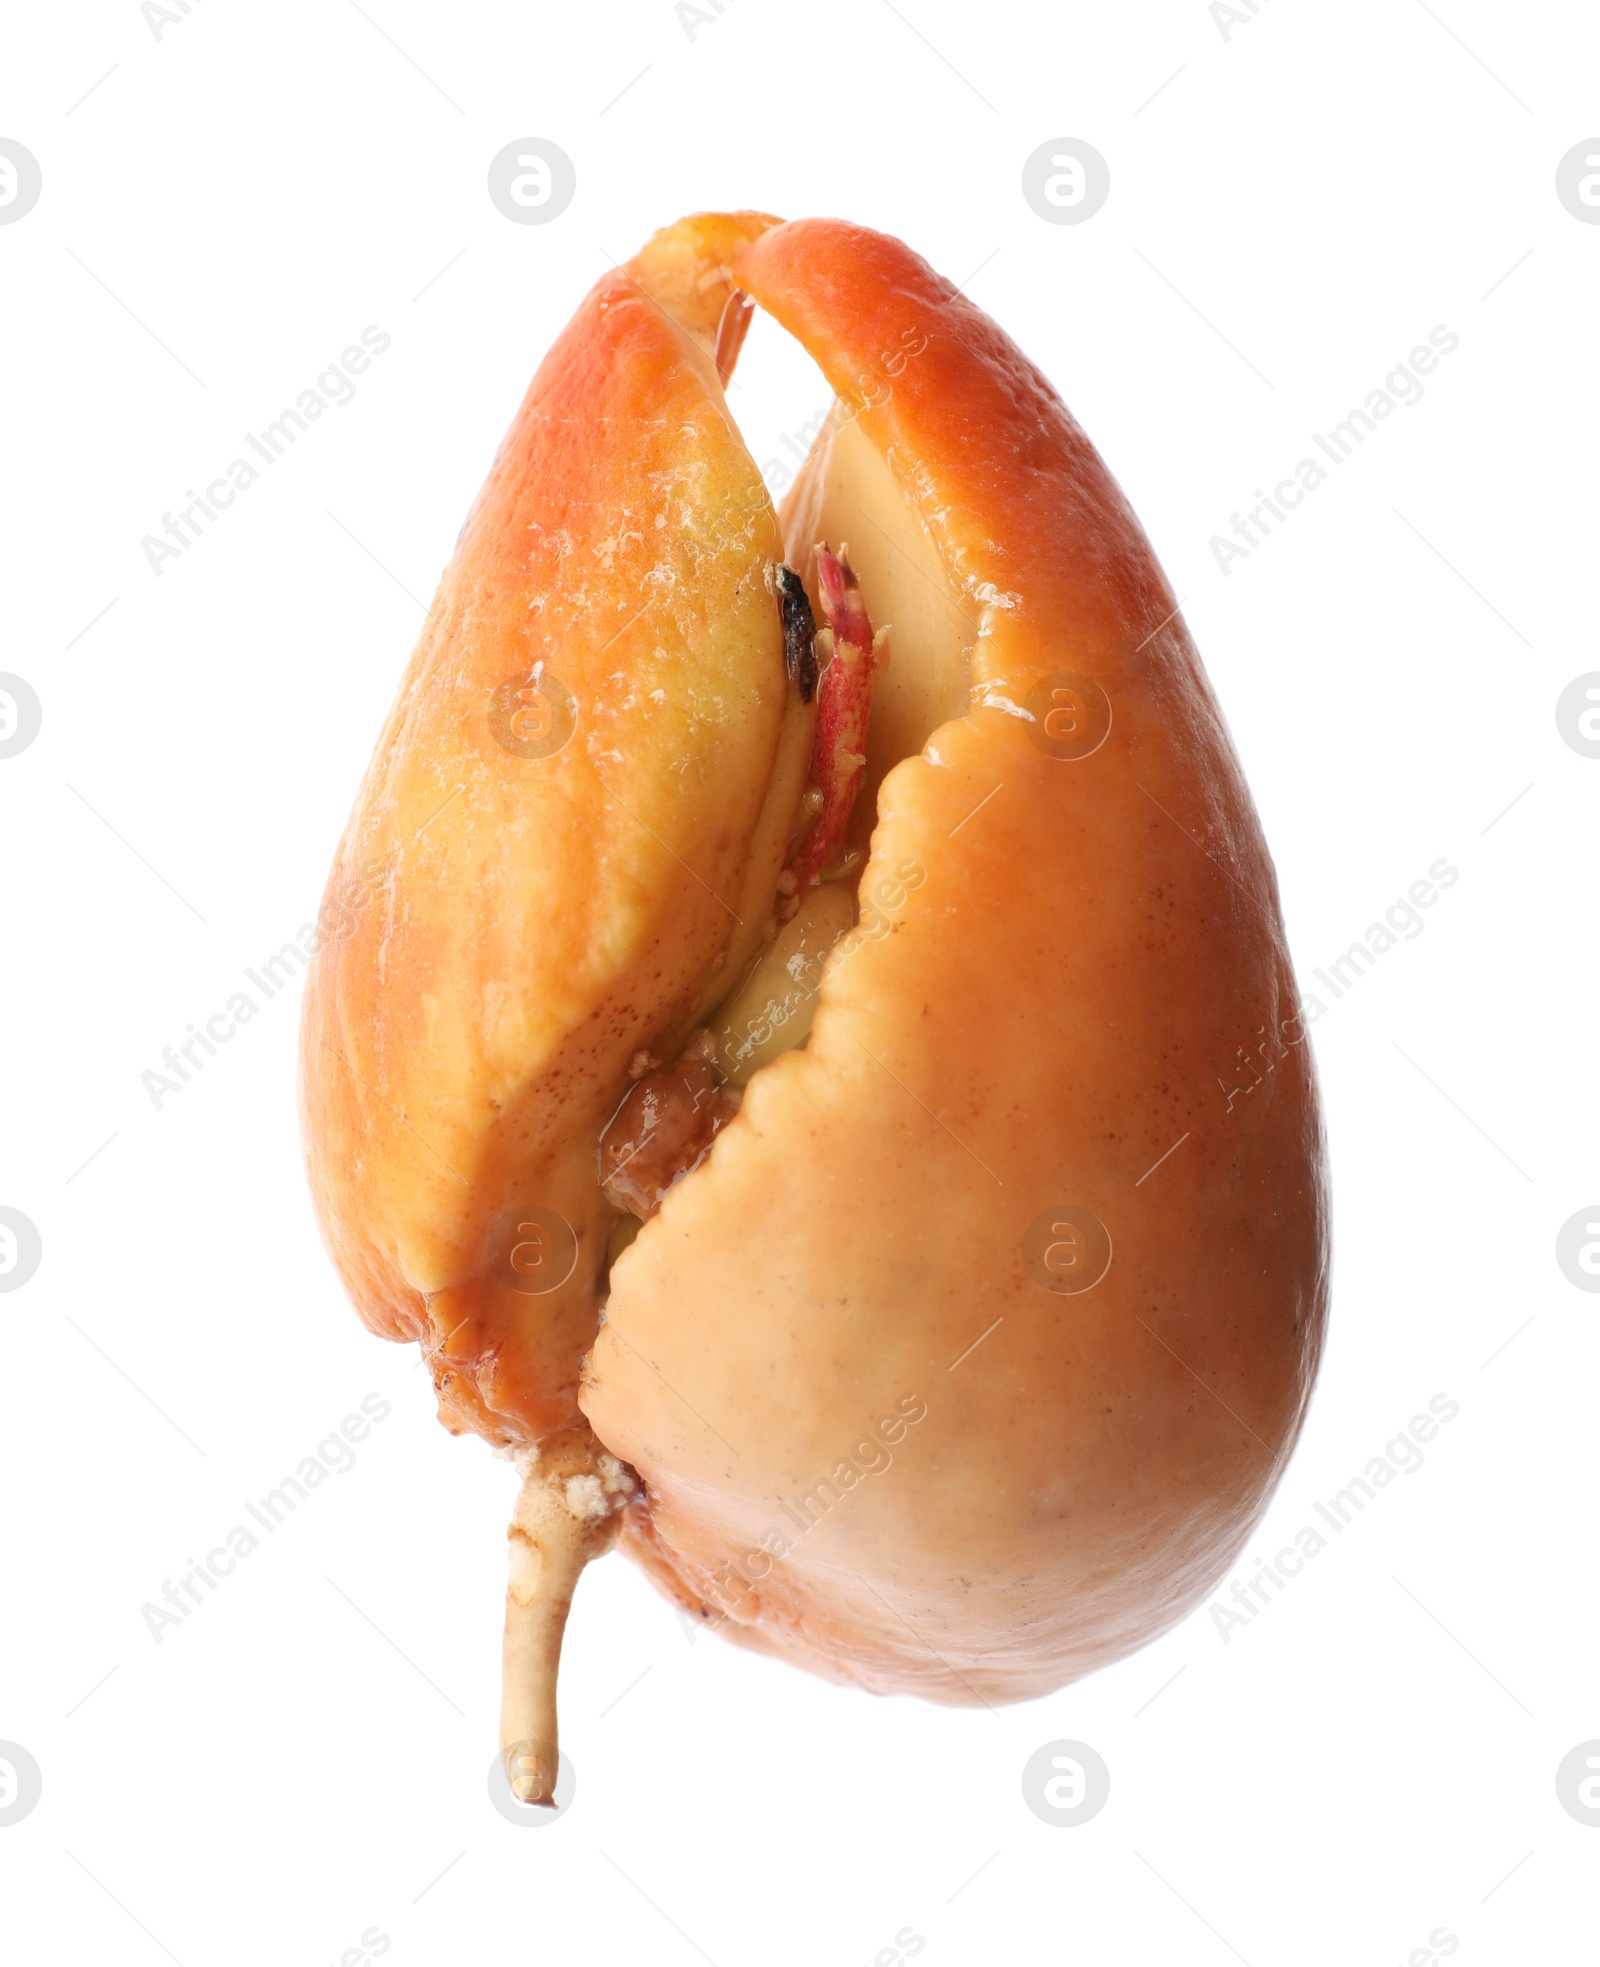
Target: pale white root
(567,1513)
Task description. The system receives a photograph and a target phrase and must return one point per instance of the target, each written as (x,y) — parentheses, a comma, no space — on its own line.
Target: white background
(1373,1757)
